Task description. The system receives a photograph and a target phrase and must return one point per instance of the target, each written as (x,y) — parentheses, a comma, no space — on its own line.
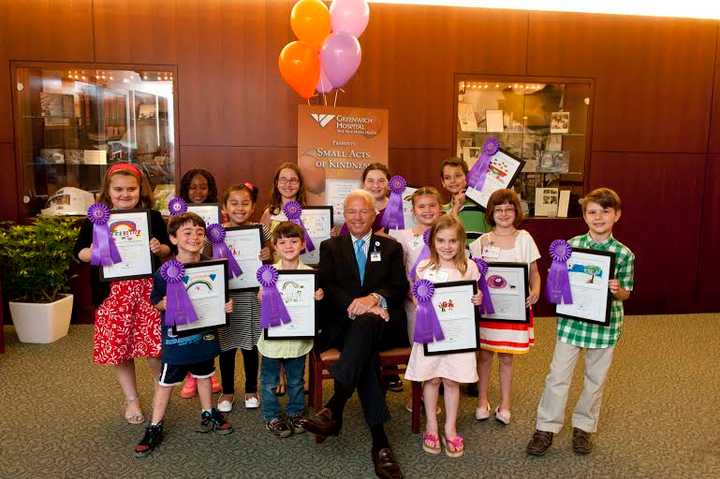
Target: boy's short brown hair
(454,162)
(176,222)
(287,229)
(605,197)
(500,197)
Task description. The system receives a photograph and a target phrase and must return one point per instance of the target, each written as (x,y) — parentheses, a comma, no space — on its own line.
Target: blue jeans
(269,376)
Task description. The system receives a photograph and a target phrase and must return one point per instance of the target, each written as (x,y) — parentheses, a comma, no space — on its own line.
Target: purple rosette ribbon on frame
(177,206)
(393,215)
(178,307)
(216,236)
(477,174)
(104,249)
(558,281)
(487,305)
(293,211)
(424,254)
(272,309)
(427,324)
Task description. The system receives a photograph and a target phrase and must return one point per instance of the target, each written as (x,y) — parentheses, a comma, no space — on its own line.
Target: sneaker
(482,413)
(216,387)
(252,402)
(213,421)
(581,441)
(395,384)
(189,389)
(502,416)
(152,439)
(225,405)
(295,423)
(279,427)
(539,443)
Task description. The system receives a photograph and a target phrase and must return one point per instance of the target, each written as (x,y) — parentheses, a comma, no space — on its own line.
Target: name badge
(375,256)
(416,242)
(436,276)
(491,252)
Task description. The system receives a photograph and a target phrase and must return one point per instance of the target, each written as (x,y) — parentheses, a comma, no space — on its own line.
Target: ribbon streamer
(487,304)
(104,249)
(216,236)
(178,307)
(177,206)
(477,174)
(424,254)
(427,324)
(272,308)
(293,211)
(392,217)
(558,282)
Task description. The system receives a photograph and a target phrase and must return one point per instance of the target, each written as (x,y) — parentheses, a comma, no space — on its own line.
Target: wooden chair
(393,361)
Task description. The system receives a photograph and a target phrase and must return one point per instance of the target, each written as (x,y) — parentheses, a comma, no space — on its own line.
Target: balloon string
(324,99)
(336,94)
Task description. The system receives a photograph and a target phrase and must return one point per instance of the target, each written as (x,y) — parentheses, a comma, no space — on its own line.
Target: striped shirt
(472,216)
(587,335)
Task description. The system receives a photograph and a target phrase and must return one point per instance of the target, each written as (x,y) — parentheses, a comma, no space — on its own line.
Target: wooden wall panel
(714,143)
(662,199)
(8,183)
(708,284)
(653,75)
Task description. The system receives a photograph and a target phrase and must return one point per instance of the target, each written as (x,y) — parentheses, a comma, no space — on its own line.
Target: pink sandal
(431,443)
(454,446)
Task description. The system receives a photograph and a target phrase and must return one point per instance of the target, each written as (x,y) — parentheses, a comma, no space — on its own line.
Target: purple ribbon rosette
(272,309)
(424,254)
(293,211)
(178,307)
(558,281)
(477,174)
(393,215)
(216,236)
(177,206)
(104,249)
(427,324)
(487,305)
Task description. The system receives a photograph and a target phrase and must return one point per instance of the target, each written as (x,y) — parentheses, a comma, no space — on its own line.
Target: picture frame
(245,243)
(546,201)
(318,221)
(209,212)
(206,283)
(297,288)
(554,162)
(459,318)
(560,122)
(132,232)
(591,296)
(508,284)
(503,172)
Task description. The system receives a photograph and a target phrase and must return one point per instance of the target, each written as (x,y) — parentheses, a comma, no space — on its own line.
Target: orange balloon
(310,20)
(299,65)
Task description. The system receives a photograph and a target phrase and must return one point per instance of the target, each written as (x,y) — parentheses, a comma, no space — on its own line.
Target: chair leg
(416,404)
(318,390)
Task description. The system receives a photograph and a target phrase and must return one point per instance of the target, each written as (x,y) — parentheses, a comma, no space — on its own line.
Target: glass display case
(545,123)
(72,123)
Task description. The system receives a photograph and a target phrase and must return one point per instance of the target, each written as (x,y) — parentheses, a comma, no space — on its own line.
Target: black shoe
(581,441)
(295,423)
(386,467)
(279,427)
(214,421)
(395,384)
(539,443)
(152,439)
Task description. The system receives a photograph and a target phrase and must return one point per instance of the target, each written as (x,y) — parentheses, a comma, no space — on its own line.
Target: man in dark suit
(363,276)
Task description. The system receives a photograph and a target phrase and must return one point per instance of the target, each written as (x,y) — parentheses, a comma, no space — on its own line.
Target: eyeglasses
(507,209)
(288,181)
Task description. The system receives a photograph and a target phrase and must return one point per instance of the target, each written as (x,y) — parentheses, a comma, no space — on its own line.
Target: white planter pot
(42,322)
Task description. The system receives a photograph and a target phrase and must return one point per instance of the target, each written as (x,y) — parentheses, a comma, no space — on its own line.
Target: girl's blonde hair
(146,199)
(448,222)
(426,191)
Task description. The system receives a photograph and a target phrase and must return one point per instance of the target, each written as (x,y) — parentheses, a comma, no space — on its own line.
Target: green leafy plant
(36,258)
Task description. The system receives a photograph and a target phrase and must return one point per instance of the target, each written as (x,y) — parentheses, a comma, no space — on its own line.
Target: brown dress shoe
(385,465)
(322,424)
(581,441)
(539,443)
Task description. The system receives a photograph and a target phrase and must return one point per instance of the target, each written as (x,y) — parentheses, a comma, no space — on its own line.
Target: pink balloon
(324,85)
(340,57)
(349,16)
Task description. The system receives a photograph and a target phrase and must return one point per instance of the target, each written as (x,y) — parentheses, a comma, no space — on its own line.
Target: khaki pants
(551,410)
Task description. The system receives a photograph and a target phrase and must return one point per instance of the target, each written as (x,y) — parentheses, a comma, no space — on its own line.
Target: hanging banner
(334,147)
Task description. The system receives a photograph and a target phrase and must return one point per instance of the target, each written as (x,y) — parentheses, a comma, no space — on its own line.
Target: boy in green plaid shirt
(601,210)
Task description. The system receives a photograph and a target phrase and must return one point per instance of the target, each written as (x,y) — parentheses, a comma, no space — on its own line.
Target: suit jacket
(340,280)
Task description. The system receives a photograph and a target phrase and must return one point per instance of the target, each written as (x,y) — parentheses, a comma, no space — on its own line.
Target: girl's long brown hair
(276,198)
(448,222)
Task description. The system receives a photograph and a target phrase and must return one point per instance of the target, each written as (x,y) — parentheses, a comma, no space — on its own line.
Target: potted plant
(35,262)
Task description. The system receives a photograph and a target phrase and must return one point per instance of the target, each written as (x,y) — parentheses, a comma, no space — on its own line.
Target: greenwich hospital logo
(367,126)
(322,119)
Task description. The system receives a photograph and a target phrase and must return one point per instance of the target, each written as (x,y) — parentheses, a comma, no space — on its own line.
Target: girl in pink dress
(447,263)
